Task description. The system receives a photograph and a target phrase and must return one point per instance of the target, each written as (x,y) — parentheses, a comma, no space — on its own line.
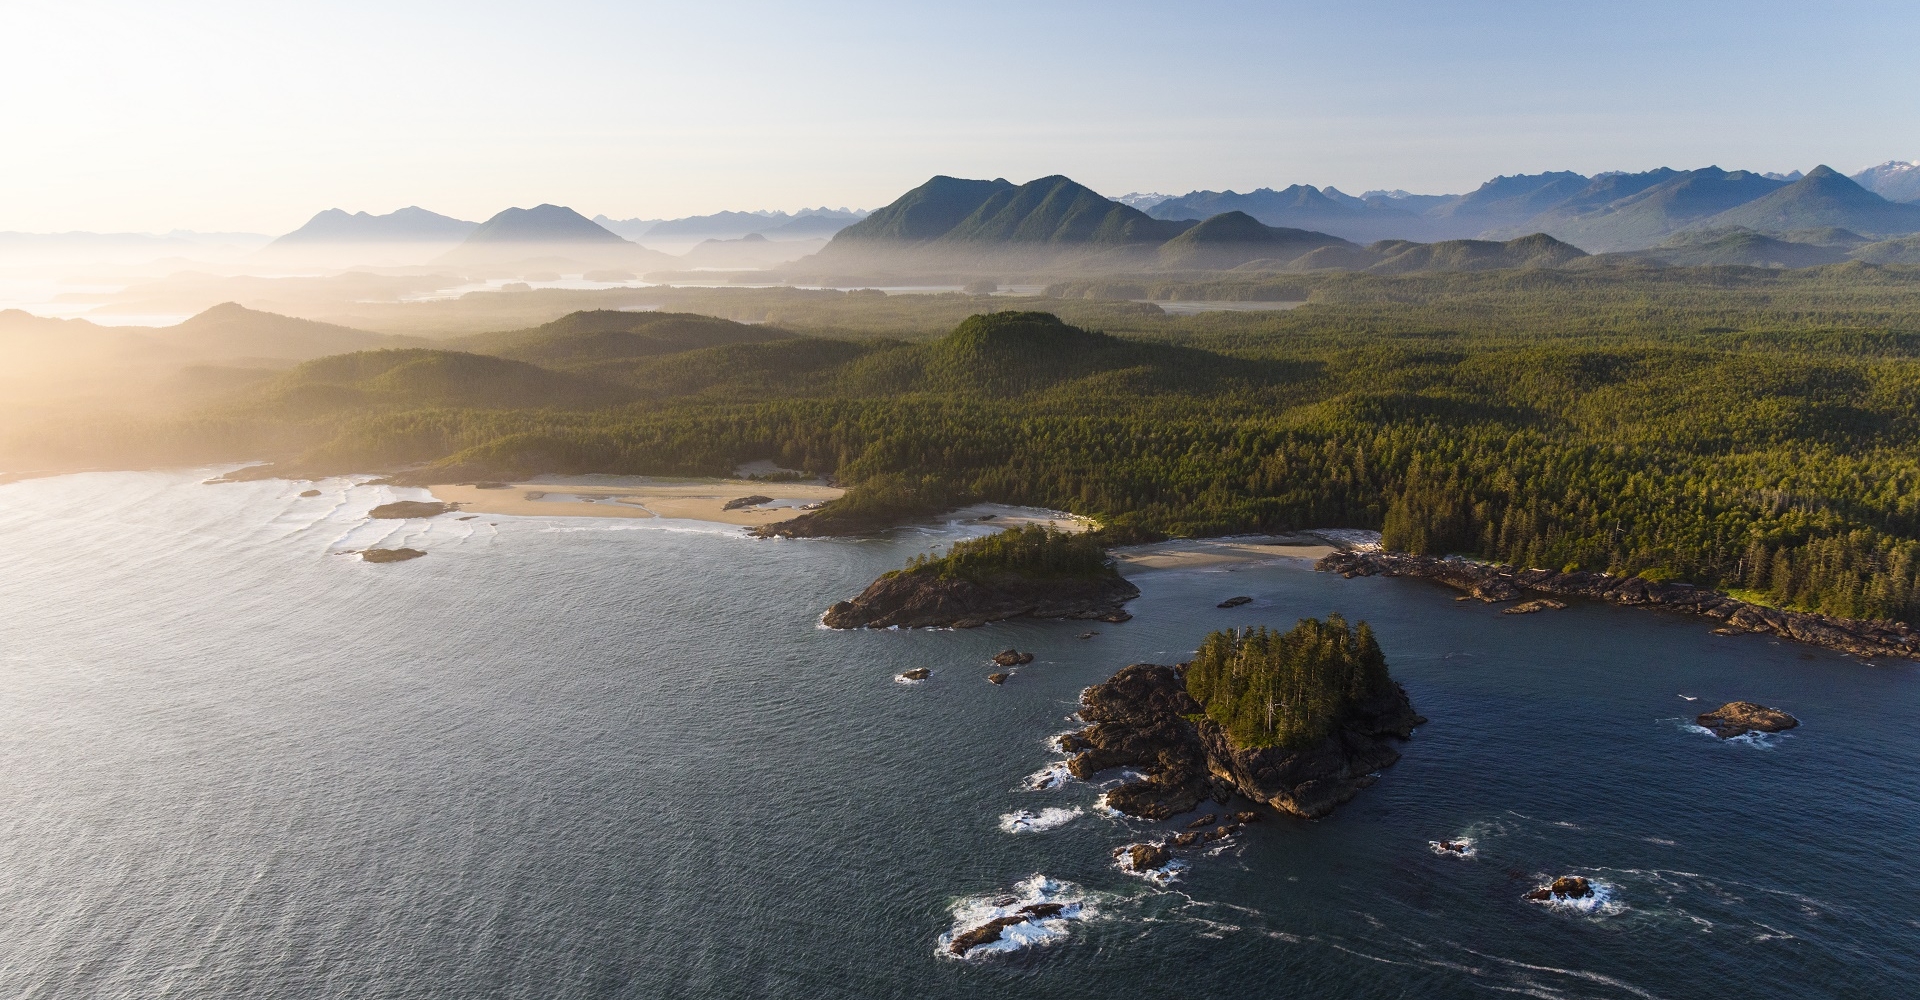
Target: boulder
(1246,817)
(389,555)
(309,493)
(1736,718)
(752,501)
(1234,602)
(916,674)
(1531,607)
(1144,857)
(1186,839)
(1564,887)
(1207,820)
(1012,658)
(998,678)
(990,931)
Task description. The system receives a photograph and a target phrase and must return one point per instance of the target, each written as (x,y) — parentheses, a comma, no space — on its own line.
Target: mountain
(605,335)
(626,229)
(407,225)
(1058,210)
(230,332)
(1301,206)
(416,377)
(750,251)
(815,224)
(1632,211)
(1232,239)
(1404,257)
(1822,198)
(1900,250)
(551,233)
(808,223)
(1893,180)
(545,224)
(925,213)
(1503,202)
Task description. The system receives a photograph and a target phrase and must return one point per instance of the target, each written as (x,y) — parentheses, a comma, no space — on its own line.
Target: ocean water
(567,758)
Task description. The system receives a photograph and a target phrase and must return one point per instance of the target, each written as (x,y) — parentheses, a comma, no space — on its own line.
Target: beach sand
(1003,516)
(639,496)
(1206,553)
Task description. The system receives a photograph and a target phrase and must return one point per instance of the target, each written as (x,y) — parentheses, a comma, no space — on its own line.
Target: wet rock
(916,674)
(493,486)
(1246,817)
(1144,857)
(1012,658)
(1221,832)
(1531,607)
(1451,846)
(389,555)
(1564,887)
(998,678)
(401,510)
(1736,718)
(1234,602)
(926,600)
(1087,635)
(990,931)
(309,493)
(1207,820)
(1186,839)
(752,501)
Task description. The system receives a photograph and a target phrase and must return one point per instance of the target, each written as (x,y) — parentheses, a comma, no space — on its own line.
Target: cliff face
(1143,718)
(925,600)
(1491,582)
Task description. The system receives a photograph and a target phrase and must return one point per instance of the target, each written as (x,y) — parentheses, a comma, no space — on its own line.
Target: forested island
(1746,430)
(1298,720)
(1021,572)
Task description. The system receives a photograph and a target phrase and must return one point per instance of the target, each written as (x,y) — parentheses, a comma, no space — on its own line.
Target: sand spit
(639,496)
(1211,553)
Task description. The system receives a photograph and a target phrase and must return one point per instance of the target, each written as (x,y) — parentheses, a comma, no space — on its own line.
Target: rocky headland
(1144,718)
(1498,583)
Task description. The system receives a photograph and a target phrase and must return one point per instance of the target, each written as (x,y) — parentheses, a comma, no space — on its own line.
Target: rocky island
(1738,718)
(1496,583)
(1021,572)
(1300,720)
(401,510)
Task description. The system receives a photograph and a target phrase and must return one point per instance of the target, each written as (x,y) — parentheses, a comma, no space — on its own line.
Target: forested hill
(1726,426)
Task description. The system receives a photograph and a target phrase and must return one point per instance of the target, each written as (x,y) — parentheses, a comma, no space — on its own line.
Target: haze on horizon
(215,115)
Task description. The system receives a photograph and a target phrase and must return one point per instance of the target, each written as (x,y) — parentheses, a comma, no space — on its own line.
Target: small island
(1298,720)
(1738,718)
(1021,572)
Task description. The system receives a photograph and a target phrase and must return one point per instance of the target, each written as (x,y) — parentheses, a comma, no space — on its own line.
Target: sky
(228,116)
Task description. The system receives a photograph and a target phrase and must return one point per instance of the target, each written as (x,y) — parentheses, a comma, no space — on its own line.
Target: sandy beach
(1206,553)
(640,496)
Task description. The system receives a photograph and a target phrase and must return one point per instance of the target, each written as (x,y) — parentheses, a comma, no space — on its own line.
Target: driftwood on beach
(1492,582)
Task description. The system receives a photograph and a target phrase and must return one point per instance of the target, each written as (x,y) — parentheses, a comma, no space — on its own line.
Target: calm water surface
(564,758)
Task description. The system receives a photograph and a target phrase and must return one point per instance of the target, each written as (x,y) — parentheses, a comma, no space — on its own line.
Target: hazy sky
(254,115)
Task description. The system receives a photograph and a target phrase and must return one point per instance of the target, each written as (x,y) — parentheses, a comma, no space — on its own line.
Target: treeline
(1288,689)
(1032,551)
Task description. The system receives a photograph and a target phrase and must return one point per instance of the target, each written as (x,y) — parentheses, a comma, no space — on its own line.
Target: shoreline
(1235,550)
(639,497)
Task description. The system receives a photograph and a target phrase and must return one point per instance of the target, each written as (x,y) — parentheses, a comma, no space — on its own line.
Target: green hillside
(1644,217)
(1741,247)
(1232,239)
(1822,198)
(419,377)
(927,212)
(607,334)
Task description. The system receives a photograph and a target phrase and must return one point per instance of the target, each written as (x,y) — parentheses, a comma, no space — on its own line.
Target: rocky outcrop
(401,510)
(752,501)
(1310,782)
(1737,718)
(1534,607)
(997,679)
(1143,718)
(1234,602)
(1143,857)
(1012,658)
(927,600)
(1564,887)
(1493,582)
(916,674)
(990,931)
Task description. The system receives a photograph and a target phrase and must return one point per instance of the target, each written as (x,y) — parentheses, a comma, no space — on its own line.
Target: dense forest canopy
(1732,427)
(1288,689)
(1030,551)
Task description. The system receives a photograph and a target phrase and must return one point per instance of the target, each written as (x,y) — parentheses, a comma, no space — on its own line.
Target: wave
(1027,821)
(1061,904)
(1458,847)
(1054,775)
(1602,900)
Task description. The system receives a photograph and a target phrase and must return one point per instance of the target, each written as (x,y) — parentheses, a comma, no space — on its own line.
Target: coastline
(1212,553)
(638,497)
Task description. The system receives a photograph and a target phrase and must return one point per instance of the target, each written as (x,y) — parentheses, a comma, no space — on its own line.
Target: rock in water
(401,510)
(390,555)
(926,601)
(1207,820)
(916,674)
(309,493)
(990,931)
(1736,718)
(752,501)
(1234,602)
(1144,857)
(1012,658)
(998,678)
(1530,607)
(1564,887)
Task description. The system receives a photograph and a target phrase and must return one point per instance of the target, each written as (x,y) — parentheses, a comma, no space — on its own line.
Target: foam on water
(1053,775)
(1050,818)
(1601,902)
(977,911)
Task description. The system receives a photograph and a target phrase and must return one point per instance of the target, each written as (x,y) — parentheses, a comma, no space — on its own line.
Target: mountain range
(412,224)
(808,223)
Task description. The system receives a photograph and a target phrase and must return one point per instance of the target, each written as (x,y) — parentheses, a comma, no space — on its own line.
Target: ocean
(569,758)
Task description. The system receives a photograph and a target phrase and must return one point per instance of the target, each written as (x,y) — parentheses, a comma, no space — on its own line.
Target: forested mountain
(549,231)
(541,224)
(1301,206)
(407,225)
(1629,211)
(1823,198)
(1234,239)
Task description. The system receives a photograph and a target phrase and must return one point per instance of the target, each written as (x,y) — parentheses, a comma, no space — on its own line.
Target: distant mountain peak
(411,224)
(542,224)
